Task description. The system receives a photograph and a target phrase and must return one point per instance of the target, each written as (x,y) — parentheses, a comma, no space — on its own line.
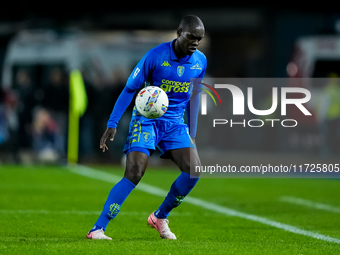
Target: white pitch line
(99,175)
(131,213)
(308,203)
(49,212)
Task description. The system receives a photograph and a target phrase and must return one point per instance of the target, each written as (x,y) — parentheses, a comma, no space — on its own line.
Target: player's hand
(108,134)
(193,139)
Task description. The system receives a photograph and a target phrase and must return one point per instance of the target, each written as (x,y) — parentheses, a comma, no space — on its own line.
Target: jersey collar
(185,60)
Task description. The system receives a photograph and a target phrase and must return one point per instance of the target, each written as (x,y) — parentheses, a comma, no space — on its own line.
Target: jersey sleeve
(201,76)
(197,82)
(193,104)
(141,72)
(120,107)
(137,78)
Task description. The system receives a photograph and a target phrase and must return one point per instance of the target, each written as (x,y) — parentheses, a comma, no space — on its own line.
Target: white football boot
(161,225)
(97,234)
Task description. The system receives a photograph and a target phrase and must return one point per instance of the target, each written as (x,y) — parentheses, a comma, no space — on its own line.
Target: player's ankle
(96,228)
(160,215)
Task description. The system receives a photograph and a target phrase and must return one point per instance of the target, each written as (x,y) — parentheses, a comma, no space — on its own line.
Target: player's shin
(178,191)
(116,197)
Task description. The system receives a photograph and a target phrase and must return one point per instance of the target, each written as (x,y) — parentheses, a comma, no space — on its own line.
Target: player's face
(188,41)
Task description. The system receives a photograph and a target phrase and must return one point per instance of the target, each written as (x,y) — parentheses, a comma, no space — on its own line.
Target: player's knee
(189,167)
(133,177)
(135,166)
(135,171)
(134,174)
(186,166)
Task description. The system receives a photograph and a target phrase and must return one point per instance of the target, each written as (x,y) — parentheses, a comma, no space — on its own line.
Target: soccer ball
(152,102)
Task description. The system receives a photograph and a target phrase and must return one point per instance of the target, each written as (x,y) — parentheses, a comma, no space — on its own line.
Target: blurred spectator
(56,92)
(87,147)
(102,99)
(56,100)
(9,124)
(4,133)
(329,115)
(47,141)
(27,102)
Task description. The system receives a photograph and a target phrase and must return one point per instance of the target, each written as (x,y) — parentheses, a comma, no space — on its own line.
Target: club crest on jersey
(180,70)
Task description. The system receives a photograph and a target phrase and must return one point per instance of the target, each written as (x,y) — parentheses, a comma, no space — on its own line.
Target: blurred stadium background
(40,44)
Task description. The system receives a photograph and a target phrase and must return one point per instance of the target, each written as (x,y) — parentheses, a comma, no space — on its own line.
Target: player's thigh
(186,159)
(175,137)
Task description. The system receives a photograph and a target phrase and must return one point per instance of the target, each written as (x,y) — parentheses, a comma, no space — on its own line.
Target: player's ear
(179,31)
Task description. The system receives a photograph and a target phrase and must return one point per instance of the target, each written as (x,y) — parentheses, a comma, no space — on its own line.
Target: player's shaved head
(190,22)
(190,32)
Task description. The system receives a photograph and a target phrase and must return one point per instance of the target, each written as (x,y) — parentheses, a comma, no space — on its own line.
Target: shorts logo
(146,136)
(135,132)
(180,70)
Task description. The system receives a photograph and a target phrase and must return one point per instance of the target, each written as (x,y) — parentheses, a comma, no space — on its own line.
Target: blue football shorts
(145,135)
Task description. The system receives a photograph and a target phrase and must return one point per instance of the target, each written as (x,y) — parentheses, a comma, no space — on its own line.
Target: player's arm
(193,105)
(120,107)
(136,79)
(192,112)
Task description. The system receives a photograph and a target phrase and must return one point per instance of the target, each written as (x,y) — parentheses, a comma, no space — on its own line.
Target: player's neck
(178,52)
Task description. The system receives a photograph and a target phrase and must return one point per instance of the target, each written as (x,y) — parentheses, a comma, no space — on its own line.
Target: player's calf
(178,191)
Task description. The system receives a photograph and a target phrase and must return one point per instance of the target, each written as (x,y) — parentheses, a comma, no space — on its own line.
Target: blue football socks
(116,197)
(178,191)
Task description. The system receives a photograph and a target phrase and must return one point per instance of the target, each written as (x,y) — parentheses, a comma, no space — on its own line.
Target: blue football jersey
(160,67)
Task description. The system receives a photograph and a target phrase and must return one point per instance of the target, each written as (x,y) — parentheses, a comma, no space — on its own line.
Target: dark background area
(245,40)
(251,40)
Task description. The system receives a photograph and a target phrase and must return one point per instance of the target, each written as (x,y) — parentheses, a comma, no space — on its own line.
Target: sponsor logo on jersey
(175,86)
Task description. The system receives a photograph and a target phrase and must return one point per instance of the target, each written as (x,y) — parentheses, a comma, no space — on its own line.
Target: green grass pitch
(49,209)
